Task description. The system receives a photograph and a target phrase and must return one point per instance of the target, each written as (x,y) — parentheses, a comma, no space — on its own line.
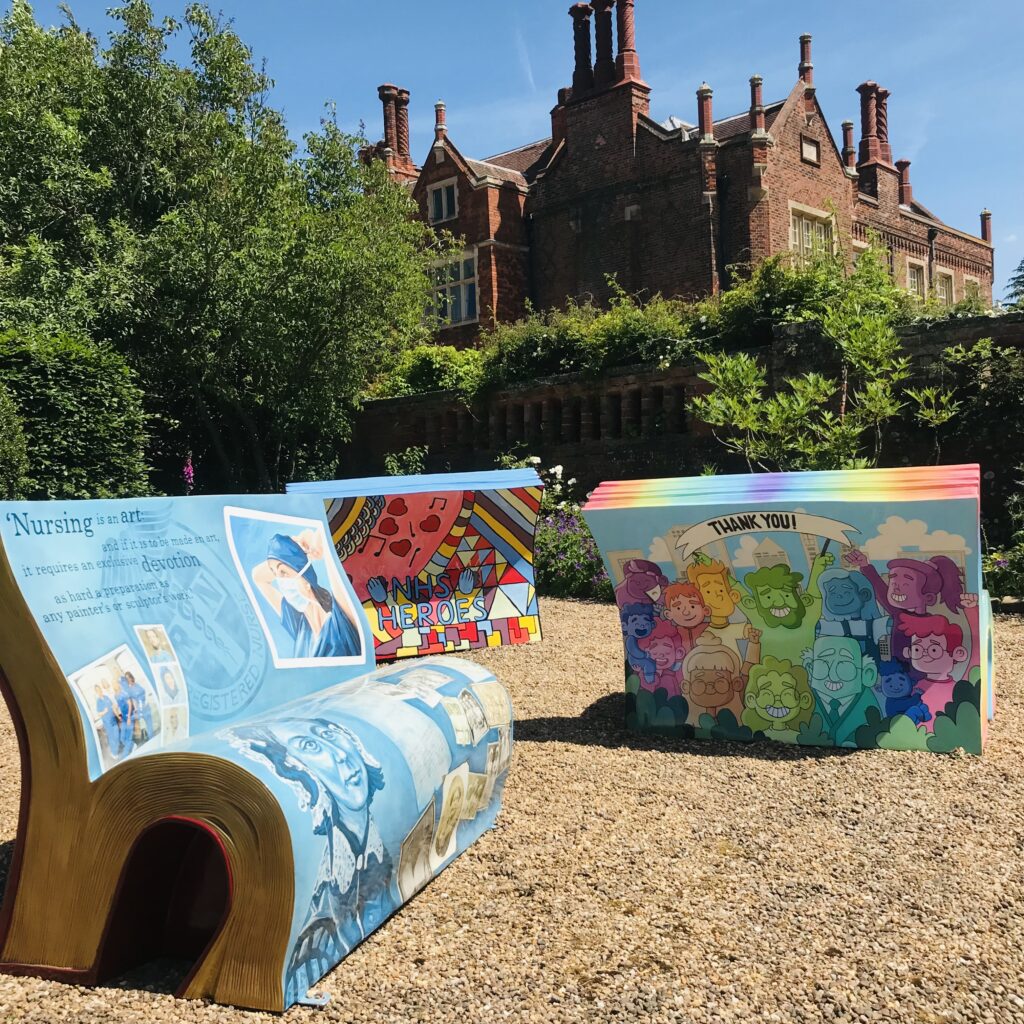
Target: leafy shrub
(1004,571)
(428,368)
(13,458)
(410,462)
(82,415)
(567,562)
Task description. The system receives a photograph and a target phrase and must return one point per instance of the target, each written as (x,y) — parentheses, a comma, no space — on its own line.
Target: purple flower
(188,474)
(1002,563)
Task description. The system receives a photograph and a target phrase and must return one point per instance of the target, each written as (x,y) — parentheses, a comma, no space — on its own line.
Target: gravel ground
(634,879)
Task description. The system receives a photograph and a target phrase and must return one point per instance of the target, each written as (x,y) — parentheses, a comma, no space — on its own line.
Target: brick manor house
(667,206)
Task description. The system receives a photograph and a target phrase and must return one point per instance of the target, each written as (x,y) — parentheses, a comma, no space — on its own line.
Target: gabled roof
(527,160)
(486,169)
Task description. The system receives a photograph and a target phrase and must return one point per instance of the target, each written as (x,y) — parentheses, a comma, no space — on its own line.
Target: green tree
(163,209)
(1015,296)
(821,419)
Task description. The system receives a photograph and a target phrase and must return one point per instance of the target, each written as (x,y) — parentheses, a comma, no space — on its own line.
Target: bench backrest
(168,617)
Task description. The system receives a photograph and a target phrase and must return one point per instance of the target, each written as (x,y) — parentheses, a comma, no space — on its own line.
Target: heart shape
(397,507)
(388,527)
(431,524)
(400,547)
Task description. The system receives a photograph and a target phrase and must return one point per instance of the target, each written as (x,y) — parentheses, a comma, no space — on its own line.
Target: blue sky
(955,71)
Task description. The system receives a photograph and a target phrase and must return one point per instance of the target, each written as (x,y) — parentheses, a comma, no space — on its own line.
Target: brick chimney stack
(604,67)
(705,121)
(441,123)
(806,68)
(882,124)
(849,152)
(869,148)
(906,191)
(627,63)
(757,105)
(388,94)
(583,76)
(986,226)
(402,123)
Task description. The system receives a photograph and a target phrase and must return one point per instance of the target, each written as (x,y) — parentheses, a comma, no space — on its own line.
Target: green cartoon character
(842,678)
(778,700)
(787,616)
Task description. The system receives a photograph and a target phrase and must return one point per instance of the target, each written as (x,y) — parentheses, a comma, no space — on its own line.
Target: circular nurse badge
(215,636)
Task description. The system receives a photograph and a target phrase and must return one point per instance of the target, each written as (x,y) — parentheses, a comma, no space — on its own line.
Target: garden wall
(630,423)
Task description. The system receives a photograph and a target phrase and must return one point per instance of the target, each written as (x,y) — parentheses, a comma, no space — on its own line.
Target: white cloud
(660,551)
(1010,238)
(898,535)
(743,554)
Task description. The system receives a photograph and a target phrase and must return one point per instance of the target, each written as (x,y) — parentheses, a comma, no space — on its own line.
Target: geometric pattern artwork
(442,569)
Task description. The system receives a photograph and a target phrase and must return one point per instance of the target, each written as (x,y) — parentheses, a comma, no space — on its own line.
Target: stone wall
(628,424)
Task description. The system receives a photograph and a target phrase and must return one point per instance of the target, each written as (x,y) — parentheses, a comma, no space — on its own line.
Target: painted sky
(955,72)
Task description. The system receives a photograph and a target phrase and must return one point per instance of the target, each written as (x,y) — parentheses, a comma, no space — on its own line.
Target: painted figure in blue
(110,719)
(352,894)
(637,624)
(849,609)
(901,695)
(140,706)
(842,678)
(316,623)
(126,709)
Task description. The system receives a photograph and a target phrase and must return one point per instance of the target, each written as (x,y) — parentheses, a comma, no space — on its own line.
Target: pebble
(639,879)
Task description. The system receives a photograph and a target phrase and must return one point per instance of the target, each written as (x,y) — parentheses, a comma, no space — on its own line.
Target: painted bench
(212,769)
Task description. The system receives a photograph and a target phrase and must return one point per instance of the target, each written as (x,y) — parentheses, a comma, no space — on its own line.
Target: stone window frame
(945,272)
(970,279)
(442,186)
(816,143)
(471,252)
(803,212)
(923,267)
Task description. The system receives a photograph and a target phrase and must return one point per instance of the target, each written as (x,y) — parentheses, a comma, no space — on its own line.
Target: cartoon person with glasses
(842,678)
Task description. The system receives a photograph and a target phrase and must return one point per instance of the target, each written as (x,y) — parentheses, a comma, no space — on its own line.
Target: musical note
(444,502)
(374,536)
(414,554)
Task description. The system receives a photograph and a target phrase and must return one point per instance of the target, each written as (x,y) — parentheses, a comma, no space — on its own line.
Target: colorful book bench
(441,563)
(828,609)
(212,771)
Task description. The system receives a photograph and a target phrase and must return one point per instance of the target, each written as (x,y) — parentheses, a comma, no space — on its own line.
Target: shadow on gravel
(601,725)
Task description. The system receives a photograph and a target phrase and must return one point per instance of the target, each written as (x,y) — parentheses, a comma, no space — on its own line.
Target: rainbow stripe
(917,483)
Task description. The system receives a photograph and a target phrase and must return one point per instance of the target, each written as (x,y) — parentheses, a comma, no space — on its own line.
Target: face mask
(289,588)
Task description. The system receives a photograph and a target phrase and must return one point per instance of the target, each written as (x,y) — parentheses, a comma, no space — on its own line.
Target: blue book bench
(212,768)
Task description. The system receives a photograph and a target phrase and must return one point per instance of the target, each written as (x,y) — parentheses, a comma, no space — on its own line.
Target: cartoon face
(839,670)
(637,625)
(905,588)
(844,595)
(777,695)
(329,753)
(721,601)
(896,684)
(711,687)
(685,609)
(930,655)
(663,651)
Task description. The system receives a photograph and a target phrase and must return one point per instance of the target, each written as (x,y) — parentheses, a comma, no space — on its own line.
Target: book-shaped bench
(827,609)
(212,770)
(441,563)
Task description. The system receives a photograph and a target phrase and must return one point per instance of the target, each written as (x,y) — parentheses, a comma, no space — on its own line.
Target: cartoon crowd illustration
(792,652)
